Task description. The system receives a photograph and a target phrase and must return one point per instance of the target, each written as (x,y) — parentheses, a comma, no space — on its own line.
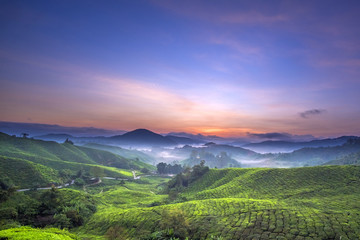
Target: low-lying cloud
(312,112)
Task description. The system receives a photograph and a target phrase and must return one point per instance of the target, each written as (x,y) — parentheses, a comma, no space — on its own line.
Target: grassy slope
(300,203)
(39,234)
(131,154)
(30,163)
(321,155)
(26,173)
(351,159)
(12,147)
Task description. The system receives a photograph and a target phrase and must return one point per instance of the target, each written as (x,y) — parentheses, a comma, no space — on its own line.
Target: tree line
(164,168)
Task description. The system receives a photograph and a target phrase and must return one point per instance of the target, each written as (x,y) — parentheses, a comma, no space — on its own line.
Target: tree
(62,221)
(115,233)
(161,168)
(79,182)
(97,171)
(174,223)
(24,135)
(144,170)
(65,174)
(50,201)
(69,141)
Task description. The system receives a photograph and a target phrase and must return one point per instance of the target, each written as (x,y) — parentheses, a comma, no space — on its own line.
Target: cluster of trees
(188,176)
(62,209)
(164,168)
(6,189)
(221,160)
(69,141)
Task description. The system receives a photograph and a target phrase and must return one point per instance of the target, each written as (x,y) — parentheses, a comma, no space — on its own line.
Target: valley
(100,191)
(179,120)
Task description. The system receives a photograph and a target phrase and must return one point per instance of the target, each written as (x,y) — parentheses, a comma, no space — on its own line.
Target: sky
(227,68)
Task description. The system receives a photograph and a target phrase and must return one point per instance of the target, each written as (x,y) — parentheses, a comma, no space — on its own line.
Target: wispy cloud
(252,17)
(242,48)
(312,112)
(222,13)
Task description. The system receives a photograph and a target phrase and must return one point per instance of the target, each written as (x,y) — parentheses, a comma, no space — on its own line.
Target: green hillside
(130,154)
(299,203)
(28,163)
(318,156)
(27,233)
(233,203)
(13,146)
(26,173)
(351,159)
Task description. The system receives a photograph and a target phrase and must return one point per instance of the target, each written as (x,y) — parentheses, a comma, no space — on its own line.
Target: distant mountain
(35,129)
(285,146)
(142,137)
(320,155)
(199,137)
(184,140)
(236,152)
(350,159)
(60,138)
(136,138)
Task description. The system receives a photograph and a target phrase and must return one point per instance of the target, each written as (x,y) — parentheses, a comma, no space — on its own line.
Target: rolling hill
(298,203)
(126,153)
(46,159)
(24,173)
(351,159)
(320,155)
(286,146)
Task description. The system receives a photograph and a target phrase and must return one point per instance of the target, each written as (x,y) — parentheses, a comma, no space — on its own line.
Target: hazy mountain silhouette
(286,146)
(184,140)
(54,137)
(142,137)
(35,129)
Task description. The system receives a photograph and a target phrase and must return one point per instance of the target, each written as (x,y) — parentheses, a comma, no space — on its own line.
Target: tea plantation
(299,203)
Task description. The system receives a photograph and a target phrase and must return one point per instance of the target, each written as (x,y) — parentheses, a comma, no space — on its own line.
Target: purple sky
(214,67)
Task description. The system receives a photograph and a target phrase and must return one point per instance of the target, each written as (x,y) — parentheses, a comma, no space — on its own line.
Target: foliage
(202,203)
(321,155)
(25,173)
(299,203)
(31,163)
(28,233)
(189,176)
(164,168)
(61,208)
(174,224)
(220,160)
(350,159)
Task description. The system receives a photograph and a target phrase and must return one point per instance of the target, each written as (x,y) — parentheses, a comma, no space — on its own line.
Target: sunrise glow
(198,66)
